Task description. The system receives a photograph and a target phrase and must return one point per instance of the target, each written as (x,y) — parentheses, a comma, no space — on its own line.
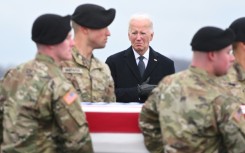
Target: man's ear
(128,35)
(152,34)
(211,55)
(84,29)
(242,44)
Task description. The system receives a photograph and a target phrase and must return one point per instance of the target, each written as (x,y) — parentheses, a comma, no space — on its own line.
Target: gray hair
(141,16)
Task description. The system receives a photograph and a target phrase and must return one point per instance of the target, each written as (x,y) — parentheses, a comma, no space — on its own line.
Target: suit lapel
(152,63)
(130,61)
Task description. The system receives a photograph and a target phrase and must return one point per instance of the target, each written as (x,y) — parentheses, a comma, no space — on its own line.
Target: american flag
(70,97)
(114,127)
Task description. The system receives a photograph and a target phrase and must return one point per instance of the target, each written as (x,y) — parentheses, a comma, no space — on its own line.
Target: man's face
(97,38)
(140,34)
(63,50)
(223,61)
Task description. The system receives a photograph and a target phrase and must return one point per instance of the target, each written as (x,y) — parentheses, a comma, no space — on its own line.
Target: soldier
(236,74)
(42,113)
(91,78)
(190,111)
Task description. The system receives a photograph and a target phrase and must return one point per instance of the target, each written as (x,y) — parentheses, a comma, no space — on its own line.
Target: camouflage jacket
(236,78)
(190,112)
(92,80)
(42,113)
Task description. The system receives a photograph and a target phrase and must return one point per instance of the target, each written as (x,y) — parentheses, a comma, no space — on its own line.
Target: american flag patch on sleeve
(239,113)
(242,109)
(70,97)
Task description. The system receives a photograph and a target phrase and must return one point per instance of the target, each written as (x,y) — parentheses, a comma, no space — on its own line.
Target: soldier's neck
(84,50)
(240,58)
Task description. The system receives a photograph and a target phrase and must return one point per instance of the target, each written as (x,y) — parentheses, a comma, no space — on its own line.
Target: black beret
(238,27)
(212,39)
(50,29)
(93,16)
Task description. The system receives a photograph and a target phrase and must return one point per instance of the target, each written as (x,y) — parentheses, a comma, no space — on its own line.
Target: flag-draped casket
(114,127)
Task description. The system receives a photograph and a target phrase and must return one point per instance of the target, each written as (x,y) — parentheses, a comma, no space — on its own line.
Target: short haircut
(75,26)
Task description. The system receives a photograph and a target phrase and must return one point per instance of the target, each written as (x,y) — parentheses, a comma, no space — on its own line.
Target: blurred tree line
(180,64)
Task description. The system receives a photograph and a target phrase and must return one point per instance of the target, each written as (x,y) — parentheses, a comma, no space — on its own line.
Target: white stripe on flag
(118,143)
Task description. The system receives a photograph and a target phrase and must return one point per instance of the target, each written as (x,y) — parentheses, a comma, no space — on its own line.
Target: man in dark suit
(138,69)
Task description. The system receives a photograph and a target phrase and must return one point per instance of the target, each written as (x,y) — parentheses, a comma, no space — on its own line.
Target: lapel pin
(155,59)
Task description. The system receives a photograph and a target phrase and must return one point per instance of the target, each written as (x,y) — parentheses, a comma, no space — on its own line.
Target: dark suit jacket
(127,77)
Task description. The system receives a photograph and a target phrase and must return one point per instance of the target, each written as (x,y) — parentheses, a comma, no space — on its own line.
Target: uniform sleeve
(150,125)
(110,91)
(231,123)
(73,133)
(3,93)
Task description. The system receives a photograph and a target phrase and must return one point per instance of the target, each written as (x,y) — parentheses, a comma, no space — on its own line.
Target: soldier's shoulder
(101,64)
(68,63)
(227,100)
(18,70)
(176,77)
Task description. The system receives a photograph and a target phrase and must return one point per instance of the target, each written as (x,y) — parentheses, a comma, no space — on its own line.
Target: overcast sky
(175,22)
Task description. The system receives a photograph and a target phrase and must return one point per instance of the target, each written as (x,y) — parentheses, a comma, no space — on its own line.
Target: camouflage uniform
(42,113)
(236,78)
(189,112)
(92,80)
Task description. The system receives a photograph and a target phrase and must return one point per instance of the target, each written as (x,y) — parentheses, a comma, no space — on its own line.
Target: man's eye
(231,52)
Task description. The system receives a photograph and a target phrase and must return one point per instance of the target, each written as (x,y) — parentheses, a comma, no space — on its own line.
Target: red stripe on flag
(113,122)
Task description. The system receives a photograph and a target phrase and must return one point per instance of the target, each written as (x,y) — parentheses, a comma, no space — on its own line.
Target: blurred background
(175,22)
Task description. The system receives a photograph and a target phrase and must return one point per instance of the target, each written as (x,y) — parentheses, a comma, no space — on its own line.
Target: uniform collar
(89,64)
(240,71)
(203,73)
(46,58)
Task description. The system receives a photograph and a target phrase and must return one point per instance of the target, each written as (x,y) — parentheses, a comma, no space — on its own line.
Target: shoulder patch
(70,97)
(239,114)
(242,108)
